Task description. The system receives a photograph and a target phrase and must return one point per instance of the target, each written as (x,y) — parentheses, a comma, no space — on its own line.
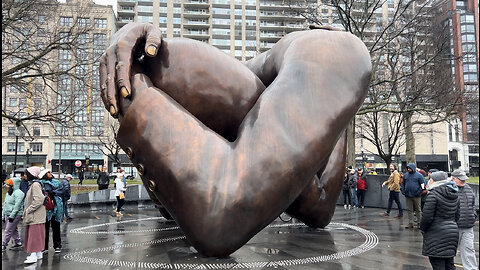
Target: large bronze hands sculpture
(226,147)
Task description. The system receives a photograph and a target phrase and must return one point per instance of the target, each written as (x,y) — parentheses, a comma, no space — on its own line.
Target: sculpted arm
(288,135)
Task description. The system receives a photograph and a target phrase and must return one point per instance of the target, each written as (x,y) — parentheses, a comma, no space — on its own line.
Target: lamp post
(29,152)
(17,133)
(363,158)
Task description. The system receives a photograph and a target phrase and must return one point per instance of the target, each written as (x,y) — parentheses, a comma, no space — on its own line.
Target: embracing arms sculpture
(227,147)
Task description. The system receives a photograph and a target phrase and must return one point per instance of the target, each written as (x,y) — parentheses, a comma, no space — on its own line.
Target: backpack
(48,202)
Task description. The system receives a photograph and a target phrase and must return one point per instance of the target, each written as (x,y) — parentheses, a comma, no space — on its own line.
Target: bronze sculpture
(225,147)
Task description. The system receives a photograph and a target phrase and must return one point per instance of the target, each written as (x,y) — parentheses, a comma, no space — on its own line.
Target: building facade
(461,19)
(52,144)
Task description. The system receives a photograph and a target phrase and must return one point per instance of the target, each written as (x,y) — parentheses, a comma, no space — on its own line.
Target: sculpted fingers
(153,39)
(103,81)
(111,89)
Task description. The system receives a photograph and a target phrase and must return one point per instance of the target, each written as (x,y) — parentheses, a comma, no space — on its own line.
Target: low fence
(376,196)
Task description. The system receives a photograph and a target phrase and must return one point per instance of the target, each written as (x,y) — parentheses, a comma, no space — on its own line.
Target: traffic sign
(78,163)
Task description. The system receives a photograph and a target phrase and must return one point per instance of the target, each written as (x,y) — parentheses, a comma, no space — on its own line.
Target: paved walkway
(141,239)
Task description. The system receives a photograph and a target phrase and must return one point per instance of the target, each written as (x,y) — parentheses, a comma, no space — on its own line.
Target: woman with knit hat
(34,216)
(12,212)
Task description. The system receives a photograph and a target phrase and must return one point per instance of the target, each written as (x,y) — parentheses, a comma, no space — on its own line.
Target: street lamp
(17,133)
(29,152)
(363,158)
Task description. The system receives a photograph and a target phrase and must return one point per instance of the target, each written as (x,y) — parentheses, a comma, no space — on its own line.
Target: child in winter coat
(12,212)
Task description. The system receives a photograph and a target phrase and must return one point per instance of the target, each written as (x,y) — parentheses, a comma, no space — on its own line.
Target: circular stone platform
(281,244)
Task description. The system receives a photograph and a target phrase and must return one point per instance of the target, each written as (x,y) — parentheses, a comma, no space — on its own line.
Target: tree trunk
(351,143)
(410,143)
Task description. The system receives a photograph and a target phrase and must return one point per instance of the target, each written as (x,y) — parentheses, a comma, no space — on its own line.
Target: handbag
(122,196)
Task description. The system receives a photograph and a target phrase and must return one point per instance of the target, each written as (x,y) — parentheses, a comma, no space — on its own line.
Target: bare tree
(45,61)
(408,50)
(110,146)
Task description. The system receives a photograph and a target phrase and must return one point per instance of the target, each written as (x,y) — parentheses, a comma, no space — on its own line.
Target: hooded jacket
(412,182)
(13,204)
(439,220)
(468,215)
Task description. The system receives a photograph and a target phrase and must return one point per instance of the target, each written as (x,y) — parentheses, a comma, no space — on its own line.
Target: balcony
(126,2)
(196,14)
(196,4)
(126,11)
(196,34)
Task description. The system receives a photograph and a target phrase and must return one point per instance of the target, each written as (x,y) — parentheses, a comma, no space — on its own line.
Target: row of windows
(78,148)
(23,102)
(83,22)
(34,147)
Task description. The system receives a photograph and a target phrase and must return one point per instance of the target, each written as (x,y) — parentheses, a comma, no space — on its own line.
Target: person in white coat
(119,193)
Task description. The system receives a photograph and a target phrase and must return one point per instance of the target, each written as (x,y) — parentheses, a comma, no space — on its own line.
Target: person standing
(346,193)
(361,187)
(34,216)
(102,180)
(81,176)
(411,187)
(66,195)
(393,183)
(54,216)
(12,212)
(439,221)
(119,193)
(467,219)
(352,185)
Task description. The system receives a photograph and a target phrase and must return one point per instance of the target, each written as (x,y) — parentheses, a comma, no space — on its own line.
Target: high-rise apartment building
(461,19)
(241,28)
(83,29)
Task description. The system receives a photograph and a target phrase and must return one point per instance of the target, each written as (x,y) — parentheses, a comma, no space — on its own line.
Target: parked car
(90,175)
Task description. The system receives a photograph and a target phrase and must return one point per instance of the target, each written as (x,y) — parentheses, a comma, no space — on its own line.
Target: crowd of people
(442,207)
(41,201)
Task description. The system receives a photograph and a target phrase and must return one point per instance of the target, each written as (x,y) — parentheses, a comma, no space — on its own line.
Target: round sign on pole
(78,163)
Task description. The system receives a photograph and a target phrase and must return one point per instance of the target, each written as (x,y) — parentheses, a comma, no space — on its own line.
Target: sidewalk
(141,239)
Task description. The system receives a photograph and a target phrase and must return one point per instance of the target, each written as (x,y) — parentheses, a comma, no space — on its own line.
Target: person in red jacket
(361,187)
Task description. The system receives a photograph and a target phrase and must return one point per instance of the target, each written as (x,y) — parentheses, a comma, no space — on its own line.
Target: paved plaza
(142,239)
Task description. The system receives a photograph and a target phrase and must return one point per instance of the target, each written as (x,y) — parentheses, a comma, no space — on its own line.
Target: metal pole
(16,150)
(60,154)
(28,157)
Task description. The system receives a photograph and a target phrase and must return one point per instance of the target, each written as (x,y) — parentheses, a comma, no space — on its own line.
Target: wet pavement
(142,239)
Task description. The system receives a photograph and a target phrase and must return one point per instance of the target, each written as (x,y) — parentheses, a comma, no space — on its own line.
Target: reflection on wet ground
(141,239)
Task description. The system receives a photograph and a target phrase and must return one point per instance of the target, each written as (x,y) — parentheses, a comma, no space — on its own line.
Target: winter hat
(460,175)
(68,175)
(9,182)
(42,173)
(35,171)
(433,170)
(439,176)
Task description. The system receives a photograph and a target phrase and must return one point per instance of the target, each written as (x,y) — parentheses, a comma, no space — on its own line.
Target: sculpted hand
(126,47)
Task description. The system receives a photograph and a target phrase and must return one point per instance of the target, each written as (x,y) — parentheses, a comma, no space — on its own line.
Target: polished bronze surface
(226,153)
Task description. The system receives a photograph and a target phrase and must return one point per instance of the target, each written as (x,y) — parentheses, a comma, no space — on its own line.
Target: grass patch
(473,180)
(94,181)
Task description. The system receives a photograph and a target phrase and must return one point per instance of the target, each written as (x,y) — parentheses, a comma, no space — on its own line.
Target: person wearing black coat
(102,180)
(439,221)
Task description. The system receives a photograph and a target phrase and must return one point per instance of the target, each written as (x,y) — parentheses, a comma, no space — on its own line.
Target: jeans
(57,241)
(467,249)
(353,194)
(11,231)
(65,209)
(120,203)
(346,196)
(394,196)
(442,263)
(361,197)
(413,204)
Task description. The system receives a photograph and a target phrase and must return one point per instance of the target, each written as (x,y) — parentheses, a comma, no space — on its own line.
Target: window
(23,102)
(11,147)
(36,147)
(41,32)
(100,41)
(13,89)
(100,23)
(66,21)
(36,131)
(41,18)
(13,102)
(11,131)
(83,22)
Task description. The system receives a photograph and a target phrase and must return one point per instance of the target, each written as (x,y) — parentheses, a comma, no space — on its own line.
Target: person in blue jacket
(411,187)
(12,212)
